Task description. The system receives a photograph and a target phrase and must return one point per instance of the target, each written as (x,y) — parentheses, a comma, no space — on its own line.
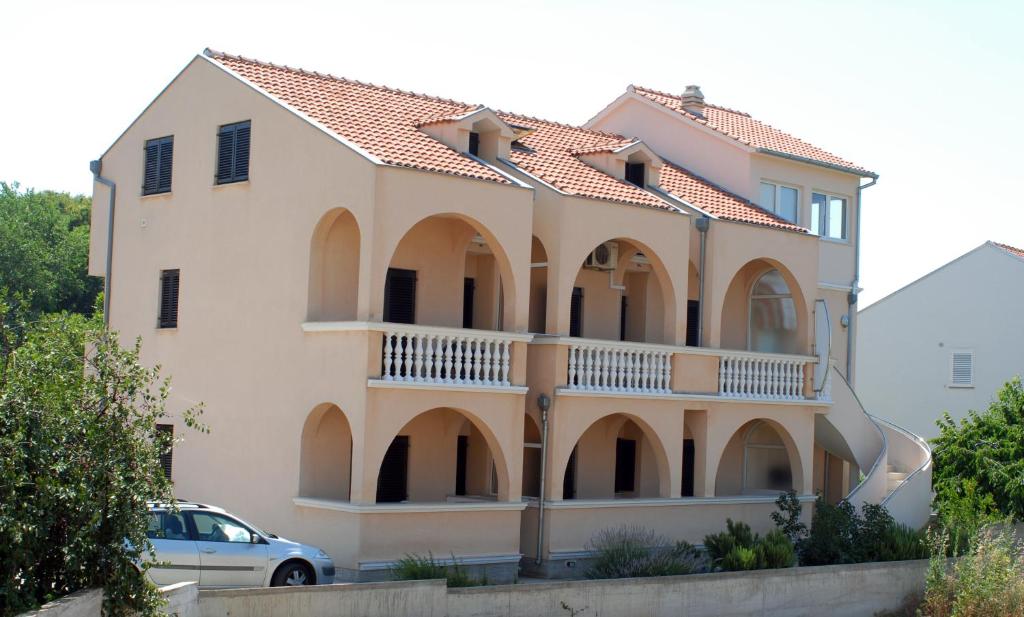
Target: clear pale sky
(926,93)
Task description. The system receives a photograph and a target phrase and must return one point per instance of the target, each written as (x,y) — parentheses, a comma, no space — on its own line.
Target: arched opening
(760,459)
(531,457)
(441,455)
(448,271)
(622,292)
(538,287)
(615,458)
(325,459)
(764,310)
(334,268)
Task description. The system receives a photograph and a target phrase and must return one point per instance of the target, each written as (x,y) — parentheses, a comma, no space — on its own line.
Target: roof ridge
(676,96)
(212,53)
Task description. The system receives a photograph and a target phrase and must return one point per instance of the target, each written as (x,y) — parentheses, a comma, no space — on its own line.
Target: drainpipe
(703,223)
(544,403)
(96,167)
(851,298)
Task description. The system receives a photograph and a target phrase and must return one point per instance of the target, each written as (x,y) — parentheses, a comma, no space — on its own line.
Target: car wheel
(292,575)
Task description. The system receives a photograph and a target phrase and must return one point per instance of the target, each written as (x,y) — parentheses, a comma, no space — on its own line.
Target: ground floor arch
(325,460)
(761,458)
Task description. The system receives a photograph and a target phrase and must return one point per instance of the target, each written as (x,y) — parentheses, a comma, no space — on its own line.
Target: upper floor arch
(764,309)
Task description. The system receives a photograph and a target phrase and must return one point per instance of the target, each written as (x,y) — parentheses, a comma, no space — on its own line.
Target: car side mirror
(254,538)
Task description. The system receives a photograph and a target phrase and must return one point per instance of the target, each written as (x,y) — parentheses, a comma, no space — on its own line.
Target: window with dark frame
(635,174)
(400,296)
(468,292)
(233,152)
(576,312)
(474,143)
(689,458)
(170,281)
(159,158)
(166,456)
(461,461)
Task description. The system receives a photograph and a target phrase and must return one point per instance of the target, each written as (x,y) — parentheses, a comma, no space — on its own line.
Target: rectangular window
(461,459)
(169,282)
(468,292)
(392,482)
(233,152)
(474,143)
(782,200)
(692,321)
(625,465)
(828,216)
(689,459)
(400,296)
(961,369)
(166,461)
(157,173)
(635,174)
(576,312)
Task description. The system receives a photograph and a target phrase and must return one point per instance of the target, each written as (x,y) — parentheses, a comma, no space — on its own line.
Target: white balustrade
(446,356)
(761,377)
(597,367)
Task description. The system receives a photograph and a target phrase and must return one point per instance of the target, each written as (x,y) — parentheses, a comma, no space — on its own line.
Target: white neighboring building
(946,342)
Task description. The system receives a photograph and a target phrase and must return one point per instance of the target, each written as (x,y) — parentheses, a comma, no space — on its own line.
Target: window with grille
(233,152)
(156,177)
(961,365)
(169,282)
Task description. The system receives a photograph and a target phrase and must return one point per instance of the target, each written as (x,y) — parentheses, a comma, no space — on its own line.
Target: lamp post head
(543,402)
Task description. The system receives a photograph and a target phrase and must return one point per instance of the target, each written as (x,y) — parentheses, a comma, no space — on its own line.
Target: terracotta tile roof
(551,155)
(1010,249)
(717,201)
(380,120)
(746,130)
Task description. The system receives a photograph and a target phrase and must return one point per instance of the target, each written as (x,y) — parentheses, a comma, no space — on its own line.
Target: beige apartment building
(419,325)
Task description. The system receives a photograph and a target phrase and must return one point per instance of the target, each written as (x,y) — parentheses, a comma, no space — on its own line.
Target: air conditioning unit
(604,257)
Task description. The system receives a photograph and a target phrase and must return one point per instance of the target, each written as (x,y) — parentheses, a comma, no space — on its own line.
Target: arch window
(773,317)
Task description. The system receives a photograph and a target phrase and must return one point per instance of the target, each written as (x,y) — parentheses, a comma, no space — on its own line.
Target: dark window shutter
(169,284)
(156,177)
(166,455)
(460,465)
(233,141)
(692,317)
(392,482)
(474,143)
(400,296)
(635,174)
(468,290)
(625,465)
(569,481)
(688,461)
(166,162)
(576,312)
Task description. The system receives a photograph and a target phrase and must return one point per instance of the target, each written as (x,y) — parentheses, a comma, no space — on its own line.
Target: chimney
(692,100)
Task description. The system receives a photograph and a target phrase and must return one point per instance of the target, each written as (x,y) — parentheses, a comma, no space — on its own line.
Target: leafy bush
(787,519)
(978,462)
(634,551)
(414,567)
(988,581)
(79,459)
(840,535)
(738,548)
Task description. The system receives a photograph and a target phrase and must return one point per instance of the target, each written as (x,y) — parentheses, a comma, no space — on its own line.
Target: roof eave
(861,173)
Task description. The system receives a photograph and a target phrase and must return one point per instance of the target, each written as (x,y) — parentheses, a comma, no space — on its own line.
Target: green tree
(44,250)
(79,458)
(979,461)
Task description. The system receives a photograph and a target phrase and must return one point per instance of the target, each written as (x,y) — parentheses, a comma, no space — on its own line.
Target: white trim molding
(666,502)
(413,385)
(407,508)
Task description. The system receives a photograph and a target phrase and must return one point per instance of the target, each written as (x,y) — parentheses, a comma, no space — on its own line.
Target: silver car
(206,544)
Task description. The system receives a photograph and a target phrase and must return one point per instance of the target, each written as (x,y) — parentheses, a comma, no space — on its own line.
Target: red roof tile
(717,201)
(382,121)
(746,130)
(385,123)
(1012,250)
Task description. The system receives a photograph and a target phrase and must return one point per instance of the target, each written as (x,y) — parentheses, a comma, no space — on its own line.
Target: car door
(177,556)
(227,555)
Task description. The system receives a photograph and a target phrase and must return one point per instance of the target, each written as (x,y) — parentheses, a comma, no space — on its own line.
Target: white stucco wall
(905,340)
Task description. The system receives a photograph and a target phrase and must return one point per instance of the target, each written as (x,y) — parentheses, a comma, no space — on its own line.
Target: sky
(925,93)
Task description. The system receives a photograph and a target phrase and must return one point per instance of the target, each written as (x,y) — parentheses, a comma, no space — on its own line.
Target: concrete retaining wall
(398,599)
(86,603)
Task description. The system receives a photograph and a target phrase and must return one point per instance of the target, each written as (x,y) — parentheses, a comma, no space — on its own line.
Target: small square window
(159,157)
(635,174)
